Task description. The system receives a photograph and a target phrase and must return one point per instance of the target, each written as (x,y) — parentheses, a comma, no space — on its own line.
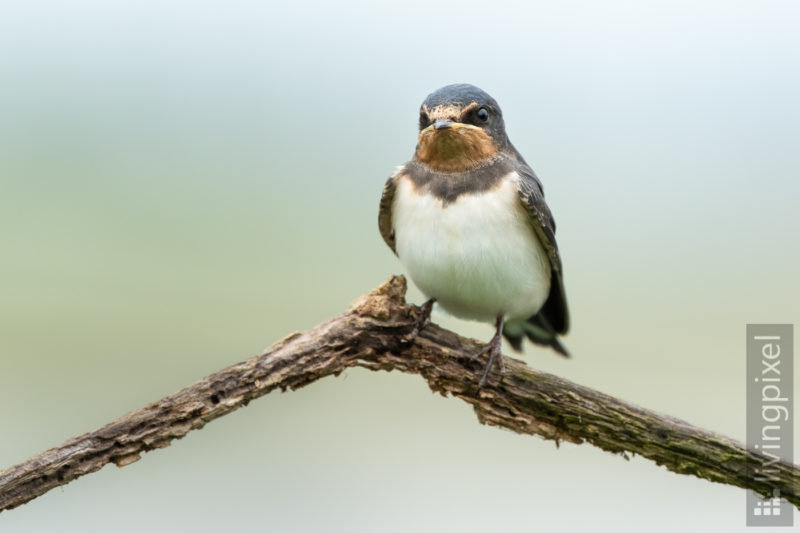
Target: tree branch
(371,335)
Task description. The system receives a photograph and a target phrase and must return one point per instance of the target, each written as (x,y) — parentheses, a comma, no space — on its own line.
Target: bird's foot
(493,349)
(423,320)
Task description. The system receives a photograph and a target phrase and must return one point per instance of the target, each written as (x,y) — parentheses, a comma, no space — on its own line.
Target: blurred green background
(184,183)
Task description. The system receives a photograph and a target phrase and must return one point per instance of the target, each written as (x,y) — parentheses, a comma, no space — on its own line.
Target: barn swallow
(467,218)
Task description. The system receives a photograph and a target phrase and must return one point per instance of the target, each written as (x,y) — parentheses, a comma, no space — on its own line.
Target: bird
(467,218)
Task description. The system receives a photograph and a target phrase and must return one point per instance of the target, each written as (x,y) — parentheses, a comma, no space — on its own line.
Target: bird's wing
(385,211)
(531,197)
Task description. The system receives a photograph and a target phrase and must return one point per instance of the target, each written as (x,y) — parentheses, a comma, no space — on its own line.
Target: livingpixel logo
(770,417)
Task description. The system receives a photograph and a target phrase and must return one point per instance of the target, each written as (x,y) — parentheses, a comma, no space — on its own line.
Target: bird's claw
(423,320)
(493,348)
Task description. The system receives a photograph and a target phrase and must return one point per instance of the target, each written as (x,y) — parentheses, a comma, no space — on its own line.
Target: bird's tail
(538,330)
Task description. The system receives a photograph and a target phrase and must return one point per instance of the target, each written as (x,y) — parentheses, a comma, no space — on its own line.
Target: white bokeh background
(183,183)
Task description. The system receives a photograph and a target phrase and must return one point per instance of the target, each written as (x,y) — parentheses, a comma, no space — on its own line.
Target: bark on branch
(371,335)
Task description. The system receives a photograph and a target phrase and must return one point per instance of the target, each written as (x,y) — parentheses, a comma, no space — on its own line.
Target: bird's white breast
(478,256)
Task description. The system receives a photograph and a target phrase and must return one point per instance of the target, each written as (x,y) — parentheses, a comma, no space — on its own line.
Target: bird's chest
(478,255)
(470,227)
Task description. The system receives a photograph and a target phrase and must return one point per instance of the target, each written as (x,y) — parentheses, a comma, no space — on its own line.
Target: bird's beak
(440,125)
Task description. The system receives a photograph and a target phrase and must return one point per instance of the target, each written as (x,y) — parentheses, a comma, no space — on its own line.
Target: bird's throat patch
(455,149)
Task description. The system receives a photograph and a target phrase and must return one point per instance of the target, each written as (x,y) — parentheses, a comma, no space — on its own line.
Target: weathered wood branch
(372,334)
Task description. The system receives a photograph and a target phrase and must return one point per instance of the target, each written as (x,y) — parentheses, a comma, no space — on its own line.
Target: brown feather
(456,149)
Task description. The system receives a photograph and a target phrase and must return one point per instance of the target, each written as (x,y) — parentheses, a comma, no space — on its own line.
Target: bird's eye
(424,121)
(482,114)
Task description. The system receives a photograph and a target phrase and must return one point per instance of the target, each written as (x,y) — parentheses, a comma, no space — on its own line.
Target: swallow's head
(460,128)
